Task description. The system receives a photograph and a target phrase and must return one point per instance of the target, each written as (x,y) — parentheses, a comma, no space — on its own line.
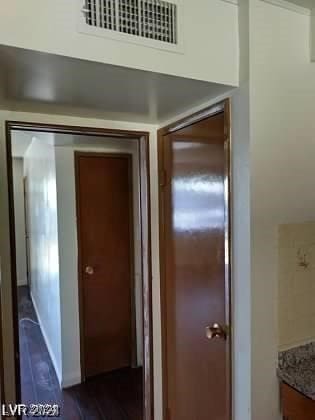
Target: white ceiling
(38,82)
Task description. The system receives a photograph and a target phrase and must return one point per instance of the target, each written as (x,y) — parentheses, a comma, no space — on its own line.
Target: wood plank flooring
(113,396)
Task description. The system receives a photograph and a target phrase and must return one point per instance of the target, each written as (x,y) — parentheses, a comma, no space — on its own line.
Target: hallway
(114,396)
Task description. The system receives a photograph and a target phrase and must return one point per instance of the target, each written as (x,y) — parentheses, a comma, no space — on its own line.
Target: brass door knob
(89,270)
(216,331)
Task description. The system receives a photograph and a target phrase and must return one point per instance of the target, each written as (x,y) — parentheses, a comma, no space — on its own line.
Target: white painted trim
(71,380)
(22,282)
(290,6)
(51,353)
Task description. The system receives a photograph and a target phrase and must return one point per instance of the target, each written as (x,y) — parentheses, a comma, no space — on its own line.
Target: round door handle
(216,331)
(89,270)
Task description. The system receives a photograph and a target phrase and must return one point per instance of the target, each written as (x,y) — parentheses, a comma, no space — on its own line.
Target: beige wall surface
(282,151)
(296,284)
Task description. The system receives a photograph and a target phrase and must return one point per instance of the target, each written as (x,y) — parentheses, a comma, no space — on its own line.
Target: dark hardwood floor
(113,396)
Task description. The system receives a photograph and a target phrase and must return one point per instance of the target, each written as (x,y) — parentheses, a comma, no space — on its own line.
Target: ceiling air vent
(138,21)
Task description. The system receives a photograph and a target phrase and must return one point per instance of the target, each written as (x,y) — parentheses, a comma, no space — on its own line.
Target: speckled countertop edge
(297,368)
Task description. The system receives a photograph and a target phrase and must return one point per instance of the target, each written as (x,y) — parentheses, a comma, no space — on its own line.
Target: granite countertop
(297,369)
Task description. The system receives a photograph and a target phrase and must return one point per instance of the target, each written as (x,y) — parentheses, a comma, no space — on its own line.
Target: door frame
(28,277)
(143,139)
(223,106)
(129,158)
(2,389)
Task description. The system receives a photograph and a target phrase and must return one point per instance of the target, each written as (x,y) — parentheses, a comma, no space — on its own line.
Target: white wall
(68,251)
(40,170)
(210,39)
(282,99)
(19,217)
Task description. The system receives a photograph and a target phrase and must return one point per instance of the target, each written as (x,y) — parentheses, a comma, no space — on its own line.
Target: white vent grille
(151,19)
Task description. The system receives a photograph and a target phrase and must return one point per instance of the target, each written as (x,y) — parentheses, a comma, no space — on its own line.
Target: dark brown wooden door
(195,282)
(106,262)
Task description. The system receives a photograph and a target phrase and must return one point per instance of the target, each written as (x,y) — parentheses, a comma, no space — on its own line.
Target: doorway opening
(81,269)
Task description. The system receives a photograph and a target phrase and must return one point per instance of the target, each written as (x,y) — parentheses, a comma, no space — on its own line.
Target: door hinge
(163,178)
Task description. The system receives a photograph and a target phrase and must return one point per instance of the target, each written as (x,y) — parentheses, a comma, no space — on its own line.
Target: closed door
(194,253)
(104,202)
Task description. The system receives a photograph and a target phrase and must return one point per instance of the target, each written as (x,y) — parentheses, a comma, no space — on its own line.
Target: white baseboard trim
(71,380)
(51,353)
(22,282)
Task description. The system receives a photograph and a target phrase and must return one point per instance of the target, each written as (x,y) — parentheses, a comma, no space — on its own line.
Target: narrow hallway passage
(114,396)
